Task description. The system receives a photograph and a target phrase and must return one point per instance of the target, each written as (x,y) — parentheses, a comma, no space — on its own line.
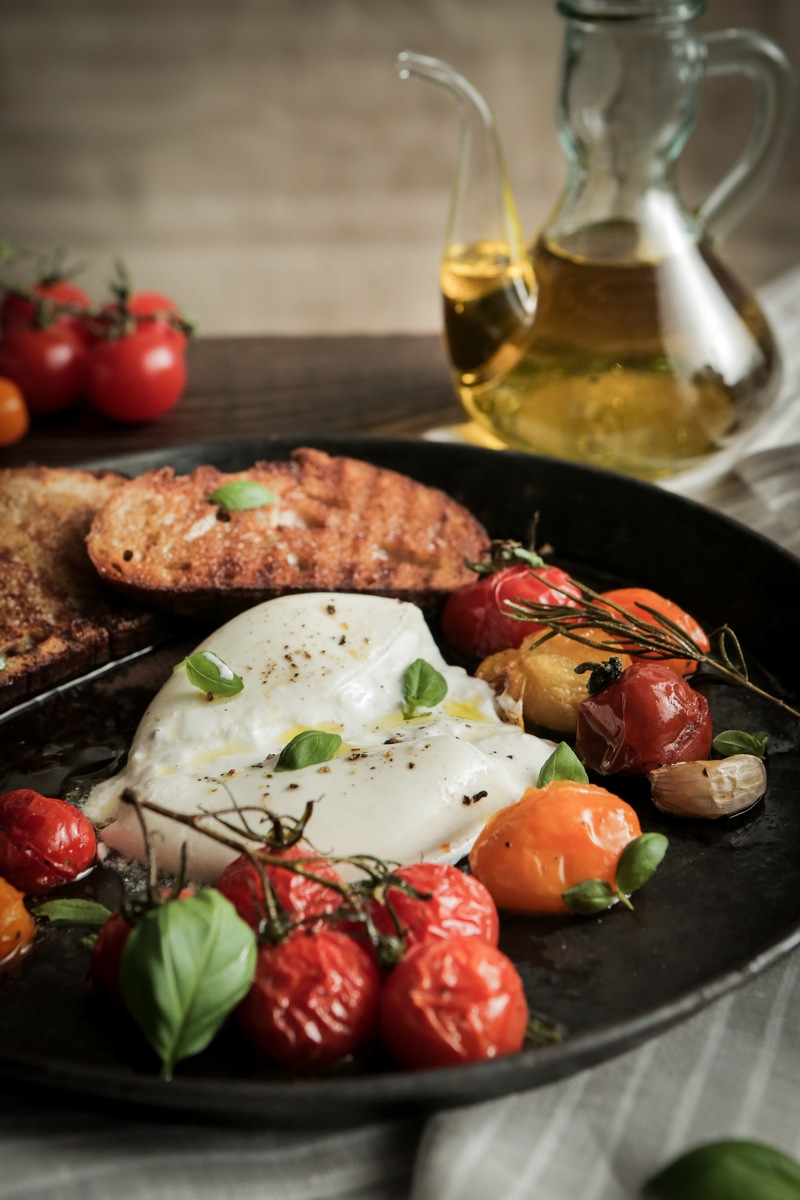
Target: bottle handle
(746,52)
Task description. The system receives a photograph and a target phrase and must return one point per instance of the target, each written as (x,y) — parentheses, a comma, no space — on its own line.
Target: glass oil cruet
(617,338)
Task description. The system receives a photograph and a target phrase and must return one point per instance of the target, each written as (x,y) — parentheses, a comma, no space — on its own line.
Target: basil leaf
(307,748)
(728,1170)
(639,860)
(211,675)
(185,966)
(590,896)
(736,741)
(3,662)
(73,912)
(422,684)
(563,763)
(242,494)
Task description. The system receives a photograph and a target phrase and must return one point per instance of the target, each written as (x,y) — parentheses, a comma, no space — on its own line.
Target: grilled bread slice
(334,524)
(57,619)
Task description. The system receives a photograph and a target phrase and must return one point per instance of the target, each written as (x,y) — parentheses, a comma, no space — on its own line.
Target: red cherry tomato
(474,621)
(314,1000)
(106,958)
(456,903)
(20,310)
(137,377)
(149,310)
(48,365)
(241,883)
(638,600)
(14,419)
(43,842)
(650,717)
(451,1002)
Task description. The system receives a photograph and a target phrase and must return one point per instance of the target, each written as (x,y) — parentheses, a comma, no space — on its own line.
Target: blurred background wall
(261,161)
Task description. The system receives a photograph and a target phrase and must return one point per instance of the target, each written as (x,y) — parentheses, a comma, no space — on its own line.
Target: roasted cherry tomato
(638,600)
(650,717)
(17,927)
(554,837)
(43,842)
(14,419)
(136,377)
(451,1002)
(48,365)
(475,621)
(453,903)
(106,956)
(313,1002)
(300,897)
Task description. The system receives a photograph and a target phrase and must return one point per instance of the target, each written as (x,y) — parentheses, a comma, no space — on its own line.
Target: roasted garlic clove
(715,788)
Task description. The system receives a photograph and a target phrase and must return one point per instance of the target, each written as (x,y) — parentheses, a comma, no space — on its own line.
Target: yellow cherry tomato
(14,418)
(529,854)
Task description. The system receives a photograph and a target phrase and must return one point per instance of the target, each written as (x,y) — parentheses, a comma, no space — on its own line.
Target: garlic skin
(714,788)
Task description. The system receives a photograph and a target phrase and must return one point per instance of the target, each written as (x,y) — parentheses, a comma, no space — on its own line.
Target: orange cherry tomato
(14,417)
(17,927)
(632,600)
(554,837)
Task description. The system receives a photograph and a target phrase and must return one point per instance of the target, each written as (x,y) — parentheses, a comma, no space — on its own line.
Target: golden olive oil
(642,367)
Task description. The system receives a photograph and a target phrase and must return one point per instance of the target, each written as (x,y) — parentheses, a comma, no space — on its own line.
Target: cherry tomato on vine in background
(14,419)
(553,838)
(45,303)
(455,903)
(632,599)
(17,927)
(43,842)
(314,1000)
(474,621)
(450,1002)
(138,376)
(300,897)
(650,717)
(48,365)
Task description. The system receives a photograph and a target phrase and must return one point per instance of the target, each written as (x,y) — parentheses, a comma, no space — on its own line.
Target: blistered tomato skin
(17,927)
(451,1002)
(454,903)
(475,621)
(300,897)
(44,842)
(553,838)
(650,717)
(314,1000)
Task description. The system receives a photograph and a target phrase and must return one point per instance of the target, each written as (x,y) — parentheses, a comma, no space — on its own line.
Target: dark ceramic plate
(724,905)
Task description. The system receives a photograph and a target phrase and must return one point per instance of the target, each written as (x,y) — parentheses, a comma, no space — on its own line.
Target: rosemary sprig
(627,632)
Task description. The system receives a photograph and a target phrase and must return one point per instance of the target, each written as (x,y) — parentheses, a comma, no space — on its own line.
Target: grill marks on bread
(337,524)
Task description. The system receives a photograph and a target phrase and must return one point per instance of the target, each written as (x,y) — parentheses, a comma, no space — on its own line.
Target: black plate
(724,905)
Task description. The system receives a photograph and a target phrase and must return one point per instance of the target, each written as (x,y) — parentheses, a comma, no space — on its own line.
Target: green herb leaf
(563,763)
(736,741)
(241,494)
(728,1170)
(73,912)
(307,748)
(590,896)
(184,968)
(211,675)
(422,684)
(639,860)
(3,662)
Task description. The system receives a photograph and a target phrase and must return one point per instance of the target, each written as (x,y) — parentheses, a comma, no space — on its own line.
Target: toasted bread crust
(57,620)
(336,524)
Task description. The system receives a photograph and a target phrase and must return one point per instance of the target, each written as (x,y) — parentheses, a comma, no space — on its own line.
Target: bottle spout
(482,209)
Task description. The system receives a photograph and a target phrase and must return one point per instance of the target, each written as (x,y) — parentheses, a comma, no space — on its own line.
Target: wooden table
(238,387)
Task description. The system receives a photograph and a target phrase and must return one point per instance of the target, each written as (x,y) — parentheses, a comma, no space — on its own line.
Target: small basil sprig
(185,967)
(306,749)
(728,1170)
(3,661)
(637,863)
(207,672)
(241,494)
(563,763)
(73,912)
(736,741)
(422,684)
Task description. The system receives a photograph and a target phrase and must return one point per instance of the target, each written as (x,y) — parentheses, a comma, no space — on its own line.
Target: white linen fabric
(730,1071)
